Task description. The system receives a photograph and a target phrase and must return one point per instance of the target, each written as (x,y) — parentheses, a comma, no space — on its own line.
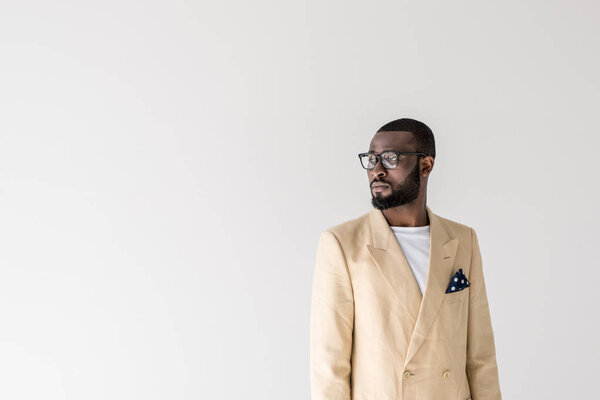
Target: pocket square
(458,282)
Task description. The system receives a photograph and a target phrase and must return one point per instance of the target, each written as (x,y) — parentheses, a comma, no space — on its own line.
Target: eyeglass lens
(389,159)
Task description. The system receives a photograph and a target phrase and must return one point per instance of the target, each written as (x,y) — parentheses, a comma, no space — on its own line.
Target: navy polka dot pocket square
(458,282)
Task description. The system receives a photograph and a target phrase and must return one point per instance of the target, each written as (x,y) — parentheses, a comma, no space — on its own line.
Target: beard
(407,192)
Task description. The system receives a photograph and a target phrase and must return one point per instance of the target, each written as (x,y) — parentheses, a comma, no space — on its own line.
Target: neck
(410,215)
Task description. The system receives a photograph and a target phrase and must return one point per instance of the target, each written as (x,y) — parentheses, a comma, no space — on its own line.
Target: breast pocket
(456,297)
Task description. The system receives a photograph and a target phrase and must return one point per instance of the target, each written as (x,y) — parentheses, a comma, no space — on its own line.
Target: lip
(379,187)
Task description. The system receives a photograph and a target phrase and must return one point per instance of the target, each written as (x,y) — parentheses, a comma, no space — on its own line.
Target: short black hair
(422,134)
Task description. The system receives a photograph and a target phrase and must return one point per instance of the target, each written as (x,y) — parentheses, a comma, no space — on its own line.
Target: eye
(391,157)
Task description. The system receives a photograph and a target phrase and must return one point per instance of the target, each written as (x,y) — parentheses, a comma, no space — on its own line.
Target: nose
(378,171)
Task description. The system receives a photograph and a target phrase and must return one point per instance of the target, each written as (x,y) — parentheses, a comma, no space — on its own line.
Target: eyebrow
(384,150)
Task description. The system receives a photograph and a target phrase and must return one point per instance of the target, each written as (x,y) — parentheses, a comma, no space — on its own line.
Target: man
(399,306)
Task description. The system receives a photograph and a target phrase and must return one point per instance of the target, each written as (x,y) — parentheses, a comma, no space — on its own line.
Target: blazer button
(406,374)
(446,374)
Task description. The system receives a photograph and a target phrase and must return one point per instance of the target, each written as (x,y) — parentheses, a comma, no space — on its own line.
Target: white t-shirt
(414,242)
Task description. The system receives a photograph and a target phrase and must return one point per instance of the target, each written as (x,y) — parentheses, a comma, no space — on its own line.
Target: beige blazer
(374,337)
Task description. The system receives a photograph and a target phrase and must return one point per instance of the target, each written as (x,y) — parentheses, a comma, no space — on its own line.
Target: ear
(426,165)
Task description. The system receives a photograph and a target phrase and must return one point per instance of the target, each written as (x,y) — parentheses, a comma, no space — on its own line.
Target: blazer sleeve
(482,369)
(331,323)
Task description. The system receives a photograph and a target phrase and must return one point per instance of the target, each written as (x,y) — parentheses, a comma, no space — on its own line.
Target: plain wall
(166,168)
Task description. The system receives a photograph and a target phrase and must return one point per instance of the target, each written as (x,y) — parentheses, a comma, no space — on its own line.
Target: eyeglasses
(389,159)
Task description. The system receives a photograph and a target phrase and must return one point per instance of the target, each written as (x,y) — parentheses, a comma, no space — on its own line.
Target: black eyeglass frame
(378,157)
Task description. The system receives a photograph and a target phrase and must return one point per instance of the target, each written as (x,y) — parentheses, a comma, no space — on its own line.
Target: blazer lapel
(443,247)
(391,262)
(389,258)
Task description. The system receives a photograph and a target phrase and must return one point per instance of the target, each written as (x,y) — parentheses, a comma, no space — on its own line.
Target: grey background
(166,168)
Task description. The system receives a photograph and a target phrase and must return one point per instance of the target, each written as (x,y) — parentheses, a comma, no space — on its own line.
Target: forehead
(395,140)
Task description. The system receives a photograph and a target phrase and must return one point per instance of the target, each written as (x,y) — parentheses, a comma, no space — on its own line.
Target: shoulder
(455,227)
(465,233)
(349,230)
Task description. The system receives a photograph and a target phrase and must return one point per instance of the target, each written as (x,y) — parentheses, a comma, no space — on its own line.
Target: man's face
(402,184)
